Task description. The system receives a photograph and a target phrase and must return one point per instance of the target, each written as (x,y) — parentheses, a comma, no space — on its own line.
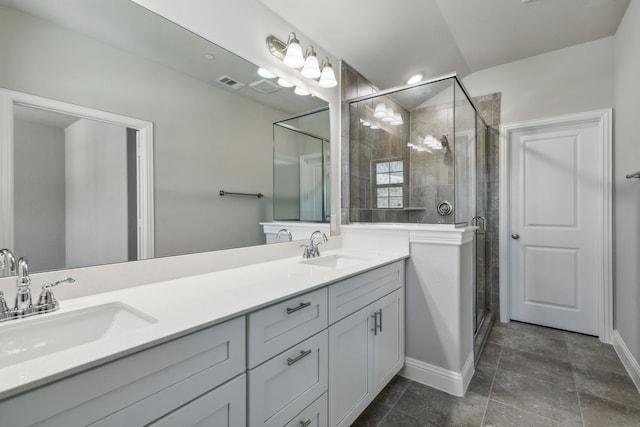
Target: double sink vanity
(290,342)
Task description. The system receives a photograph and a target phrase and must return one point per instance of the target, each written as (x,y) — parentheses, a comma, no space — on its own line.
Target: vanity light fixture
(390,115)
(284,83)
(327,76)
(293,58)
(380,111)
(263,72)
(291,54)
(397,120)
(432,142)
(299,91)
(311,68)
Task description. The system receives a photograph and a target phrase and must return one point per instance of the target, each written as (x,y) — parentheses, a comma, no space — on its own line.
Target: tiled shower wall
(436,183)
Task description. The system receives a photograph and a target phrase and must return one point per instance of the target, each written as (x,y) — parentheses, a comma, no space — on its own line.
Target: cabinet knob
(306,423)
(515,236)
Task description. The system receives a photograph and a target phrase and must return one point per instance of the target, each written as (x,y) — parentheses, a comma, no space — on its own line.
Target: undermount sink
(334,261)
(46,334)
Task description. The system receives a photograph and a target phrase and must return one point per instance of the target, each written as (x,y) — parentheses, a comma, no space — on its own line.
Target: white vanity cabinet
(366,348)
(137,389)
(288,358)
(312,360)
(224,406)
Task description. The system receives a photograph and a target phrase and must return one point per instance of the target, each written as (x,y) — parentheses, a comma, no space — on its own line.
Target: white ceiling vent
(265,86)
(229,82)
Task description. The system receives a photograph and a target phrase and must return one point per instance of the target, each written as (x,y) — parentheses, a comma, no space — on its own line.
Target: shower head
(446,151)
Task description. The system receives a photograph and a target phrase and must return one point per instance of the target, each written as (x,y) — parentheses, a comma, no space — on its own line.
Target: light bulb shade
(293,57)
(311,67)
(284,83)
(432,142)
(380,111)
(327,77)
(299,91)
(263,72)
(390,115)
(397,120)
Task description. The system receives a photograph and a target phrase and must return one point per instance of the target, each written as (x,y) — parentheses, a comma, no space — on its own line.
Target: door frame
(144,154)
(603,118)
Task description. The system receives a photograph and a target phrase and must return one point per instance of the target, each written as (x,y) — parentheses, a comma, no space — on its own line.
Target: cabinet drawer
(314,415)
(280,326)
(136,389)
(223,407)
(285,385)
(352,294)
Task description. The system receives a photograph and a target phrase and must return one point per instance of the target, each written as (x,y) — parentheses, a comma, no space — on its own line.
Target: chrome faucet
(24,305)
(23,295)
(7,263)
(284,231)
(311,250)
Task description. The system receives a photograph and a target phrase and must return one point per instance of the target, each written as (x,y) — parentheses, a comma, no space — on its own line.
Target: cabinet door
(283,386)
(350,359)
(224,406)
(388,341)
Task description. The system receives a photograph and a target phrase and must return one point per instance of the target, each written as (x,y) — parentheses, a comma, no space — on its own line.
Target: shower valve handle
(515,236)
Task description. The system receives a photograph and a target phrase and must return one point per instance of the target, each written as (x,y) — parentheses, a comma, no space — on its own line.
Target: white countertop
(180,306)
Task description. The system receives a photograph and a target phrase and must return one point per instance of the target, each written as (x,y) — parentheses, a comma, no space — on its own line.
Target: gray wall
(565,81)
(202,139)
(39,191)
(96,193)
(571,80)
(627,192)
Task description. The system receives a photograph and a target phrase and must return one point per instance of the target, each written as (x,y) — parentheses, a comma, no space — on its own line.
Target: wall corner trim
(630,363)
(451,382)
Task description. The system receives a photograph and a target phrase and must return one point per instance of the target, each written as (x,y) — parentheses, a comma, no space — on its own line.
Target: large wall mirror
(211,117)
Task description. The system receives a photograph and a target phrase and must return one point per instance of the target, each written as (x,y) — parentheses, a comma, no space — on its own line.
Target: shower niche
(413,155)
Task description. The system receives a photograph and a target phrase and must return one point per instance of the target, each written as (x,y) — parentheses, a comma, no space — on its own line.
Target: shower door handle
(484,224)
(515,236)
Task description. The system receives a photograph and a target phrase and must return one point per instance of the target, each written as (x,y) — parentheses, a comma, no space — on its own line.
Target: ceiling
(388,41)
(127,26)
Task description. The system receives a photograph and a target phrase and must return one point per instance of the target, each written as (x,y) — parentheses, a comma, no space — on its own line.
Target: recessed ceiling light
(415,79)
(210,56)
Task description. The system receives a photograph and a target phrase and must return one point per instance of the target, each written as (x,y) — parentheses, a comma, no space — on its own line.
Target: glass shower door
(481,296)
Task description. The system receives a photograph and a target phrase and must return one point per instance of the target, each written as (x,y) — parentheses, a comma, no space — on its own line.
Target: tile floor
(527,376)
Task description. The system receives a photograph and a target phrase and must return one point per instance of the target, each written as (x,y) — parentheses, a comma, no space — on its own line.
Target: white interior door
(557,198)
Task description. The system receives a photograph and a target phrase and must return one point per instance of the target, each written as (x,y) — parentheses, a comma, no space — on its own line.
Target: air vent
(265,86)
(229,82)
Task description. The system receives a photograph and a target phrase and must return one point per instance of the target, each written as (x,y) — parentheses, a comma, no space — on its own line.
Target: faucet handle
(4,308)
(47,301)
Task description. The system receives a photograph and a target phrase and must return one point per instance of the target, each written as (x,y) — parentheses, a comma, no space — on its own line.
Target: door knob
(515,236)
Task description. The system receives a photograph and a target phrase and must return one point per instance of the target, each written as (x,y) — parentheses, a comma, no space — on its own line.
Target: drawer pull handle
(305,423)
(300,307)
(302,354)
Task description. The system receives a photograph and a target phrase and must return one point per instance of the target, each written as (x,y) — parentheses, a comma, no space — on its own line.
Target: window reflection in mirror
(301,168)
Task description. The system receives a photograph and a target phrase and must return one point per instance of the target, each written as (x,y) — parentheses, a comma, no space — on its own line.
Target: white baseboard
(451,382)
(625,355)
